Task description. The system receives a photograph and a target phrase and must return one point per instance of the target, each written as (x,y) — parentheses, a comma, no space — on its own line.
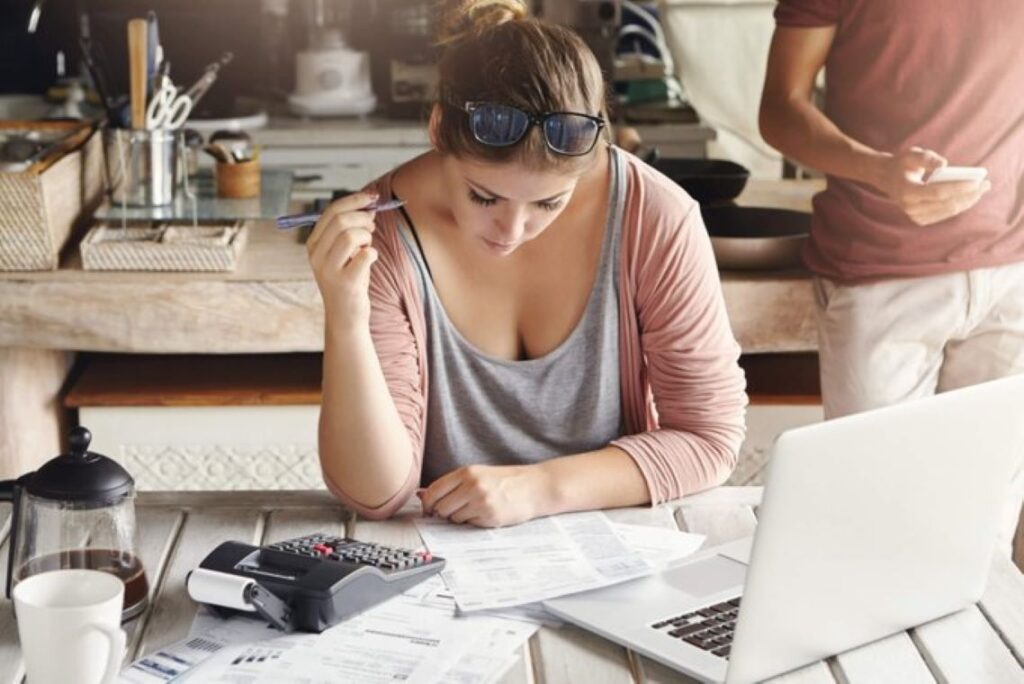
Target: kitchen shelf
(276,191)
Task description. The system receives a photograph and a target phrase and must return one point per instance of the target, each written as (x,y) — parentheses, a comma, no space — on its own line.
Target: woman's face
(502,206)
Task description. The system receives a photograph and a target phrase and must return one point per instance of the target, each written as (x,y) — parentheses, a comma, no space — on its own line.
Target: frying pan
(706,180)
(756,238)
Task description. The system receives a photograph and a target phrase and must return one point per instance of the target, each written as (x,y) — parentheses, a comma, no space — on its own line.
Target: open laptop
(870,524)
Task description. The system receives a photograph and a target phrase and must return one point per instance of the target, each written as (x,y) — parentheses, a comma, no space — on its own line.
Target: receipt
(537,560)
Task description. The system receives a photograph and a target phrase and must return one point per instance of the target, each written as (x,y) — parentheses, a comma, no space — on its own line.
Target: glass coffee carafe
(76,511)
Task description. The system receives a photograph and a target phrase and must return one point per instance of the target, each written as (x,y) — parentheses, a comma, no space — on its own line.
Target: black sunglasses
(567,133)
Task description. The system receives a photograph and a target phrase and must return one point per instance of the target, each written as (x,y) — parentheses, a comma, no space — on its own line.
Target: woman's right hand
(341,256)
(903,176)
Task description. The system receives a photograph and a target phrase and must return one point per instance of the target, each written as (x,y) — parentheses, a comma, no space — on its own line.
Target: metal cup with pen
(146,166)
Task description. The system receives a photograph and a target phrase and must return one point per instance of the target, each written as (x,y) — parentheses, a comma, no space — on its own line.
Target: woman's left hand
(486,496)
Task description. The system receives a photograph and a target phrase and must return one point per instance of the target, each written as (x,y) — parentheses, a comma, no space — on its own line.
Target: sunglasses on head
(567,133)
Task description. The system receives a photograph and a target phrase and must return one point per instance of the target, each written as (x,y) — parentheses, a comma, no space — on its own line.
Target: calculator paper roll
(219,589)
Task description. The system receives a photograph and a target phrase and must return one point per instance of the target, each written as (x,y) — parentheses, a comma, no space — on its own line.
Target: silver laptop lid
(900,530)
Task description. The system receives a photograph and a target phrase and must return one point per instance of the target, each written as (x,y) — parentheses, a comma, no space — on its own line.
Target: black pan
(735,221)
(706,180)
(756,238)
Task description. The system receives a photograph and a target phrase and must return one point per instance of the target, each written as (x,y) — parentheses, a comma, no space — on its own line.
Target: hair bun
(462,18)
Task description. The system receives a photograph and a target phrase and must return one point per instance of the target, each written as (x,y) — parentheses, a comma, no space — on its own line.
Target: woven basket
(163,247)
(40,207)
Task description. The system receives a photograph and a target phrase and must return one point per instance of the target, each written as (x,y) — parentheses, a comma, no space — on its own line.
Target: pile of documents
(467,625)
(415,638)
(489,569)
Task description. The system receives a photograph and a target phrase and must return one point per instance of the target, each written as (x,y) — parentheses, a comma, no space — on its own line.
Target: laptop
(870,524)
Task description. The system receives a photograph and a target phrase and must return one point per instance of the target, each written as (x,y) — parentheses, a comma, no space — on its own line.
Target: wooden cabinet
(204,423)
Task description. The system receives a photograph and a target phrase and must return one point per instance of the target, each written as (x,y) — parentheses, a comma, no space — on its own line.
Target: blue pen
(296,220)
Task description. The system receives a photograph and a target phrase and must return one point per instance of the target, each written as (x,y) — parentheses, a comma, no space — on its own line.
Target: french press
(76,511)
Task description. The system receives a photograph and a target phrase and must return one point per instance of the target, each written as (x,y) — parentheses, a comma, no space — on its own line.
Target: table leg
(32,423)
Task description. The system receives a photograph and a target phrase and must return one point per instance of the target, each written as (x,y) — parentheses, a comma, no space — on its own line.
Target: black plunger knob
(79,441)
(82,476)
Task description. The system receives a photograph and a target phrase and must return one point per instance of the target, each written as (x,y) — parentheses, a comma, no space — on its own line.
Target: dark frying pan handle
(649,155)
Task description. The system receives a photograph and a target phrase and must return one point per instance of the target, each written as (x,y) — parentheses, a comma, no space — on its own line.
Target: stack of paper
(414,638)
(502,568)
(526,562)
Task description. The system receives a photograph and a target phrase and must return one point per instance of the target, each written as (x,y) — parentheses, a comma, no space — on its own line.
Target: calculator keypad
(386,558)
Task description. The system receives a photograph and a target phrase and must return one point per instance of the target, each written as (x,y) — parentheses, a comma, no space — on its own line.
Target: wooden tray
(164,247)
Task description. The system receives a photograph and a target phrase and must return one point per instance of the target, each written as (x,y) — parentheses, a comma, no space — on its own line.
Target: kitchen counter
(271,303)
(980,643)
(332,154)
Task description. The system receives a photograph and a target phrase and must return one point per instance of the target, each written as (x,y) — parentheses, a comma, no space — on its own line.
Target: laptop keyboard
(710,628)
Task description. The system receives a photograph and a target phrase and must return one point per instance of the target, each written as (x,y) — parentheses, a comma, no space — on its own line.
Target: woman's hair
(492,51)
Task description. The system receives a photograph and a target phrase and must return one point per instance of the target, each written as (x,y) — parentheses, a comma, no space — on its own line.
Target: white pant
(887,342)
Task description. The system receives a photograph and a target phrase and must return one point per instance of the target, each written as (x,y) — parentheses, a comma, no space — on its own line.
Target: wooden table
(982,644)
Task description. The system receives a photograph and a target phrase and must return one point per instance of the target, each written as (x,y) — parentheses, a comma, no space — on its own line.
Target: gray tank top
(482,409)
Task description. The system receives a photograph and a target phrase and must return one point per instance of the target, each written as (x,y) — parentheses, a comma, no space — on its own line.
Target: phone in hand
(953,174)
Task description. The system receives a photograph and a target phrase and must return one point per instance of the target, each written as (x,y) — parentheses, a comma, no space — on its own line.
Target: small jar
(238,180)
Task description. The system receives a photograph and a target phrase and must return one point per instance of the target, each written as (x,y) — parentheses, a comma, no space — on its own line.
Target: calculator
(323,579)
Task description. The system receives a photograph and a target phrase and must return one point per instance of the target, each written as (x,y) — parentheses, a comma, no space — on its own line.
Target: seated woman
(541,328)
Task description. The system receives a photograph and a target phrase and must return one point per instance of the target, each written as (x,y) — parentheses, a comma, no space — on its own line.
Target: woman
(541,328)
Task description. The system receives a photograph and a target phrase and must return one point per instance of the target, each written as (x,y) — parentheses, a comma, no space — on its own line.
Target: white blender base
(330,104)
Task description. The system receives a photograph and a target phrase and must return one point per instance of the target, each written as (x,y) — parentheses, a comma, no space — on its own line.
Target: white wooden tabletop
(982,644)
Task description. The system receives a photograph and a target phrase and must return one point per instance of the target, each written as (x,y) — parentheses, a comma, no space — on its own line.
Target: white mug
(69,623)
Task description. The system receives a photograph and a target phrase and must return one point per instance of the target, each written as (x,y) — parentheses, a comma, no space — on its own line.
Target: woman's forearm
(364,447)
(606,478)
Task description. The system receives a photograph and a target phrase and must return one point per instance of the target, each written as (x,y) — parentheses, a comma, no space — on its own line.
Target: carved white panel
(221,467)
(210,448)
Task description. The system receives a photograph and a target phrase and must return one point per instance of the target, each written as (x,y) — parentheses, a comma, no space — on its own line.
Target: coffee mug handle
(116,639)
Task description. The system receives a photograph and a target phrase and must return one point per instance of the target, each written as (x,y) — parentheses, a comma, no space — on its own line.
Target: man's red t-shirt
(947,75)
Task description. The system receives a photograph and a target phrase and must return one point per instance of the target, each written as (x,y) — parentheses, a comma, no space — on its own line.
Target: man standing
(920,285)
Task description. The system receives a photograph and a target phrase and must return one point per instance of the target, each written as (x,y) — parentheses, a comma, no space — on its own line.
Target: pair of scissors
(207,78)
(169,108)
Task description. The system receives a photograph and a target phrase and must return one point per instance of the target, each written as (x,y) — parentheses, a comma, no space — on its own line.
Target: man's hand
(903,178)
(487,496)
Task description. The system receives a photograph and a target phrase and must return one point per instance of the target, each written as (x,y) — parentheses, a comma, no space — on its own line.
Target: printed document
(537,560)
(414,638)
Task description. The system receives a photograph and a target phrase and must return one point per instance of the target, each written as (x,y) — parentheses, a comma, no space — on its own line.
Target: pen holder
(141,166)
(239,180)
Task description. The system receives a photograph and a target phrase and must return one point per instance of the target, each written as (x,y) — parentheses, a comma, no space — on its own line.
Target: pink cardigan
(683,394)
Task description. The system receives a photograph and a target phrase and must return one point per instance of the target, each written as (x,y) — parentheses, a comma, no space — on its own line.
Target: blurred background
(669,61)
